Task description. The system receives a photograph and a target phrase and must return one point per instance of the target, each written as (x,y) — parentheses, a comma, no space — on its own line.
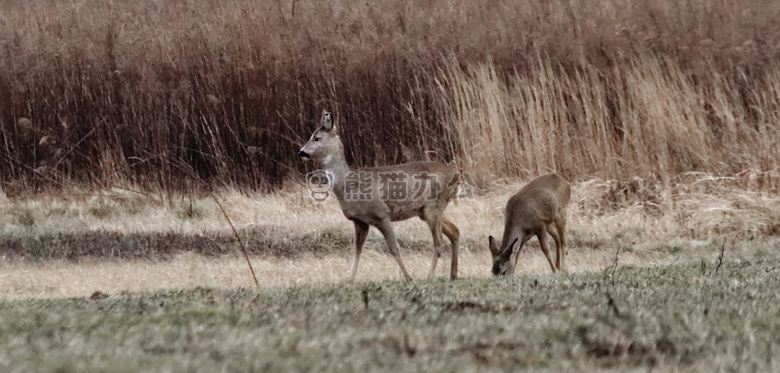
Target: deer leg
(386,227)
(542,236)
(520,247)
(361,232)
(552,230)
(436,228)
(560,243)
(453,234)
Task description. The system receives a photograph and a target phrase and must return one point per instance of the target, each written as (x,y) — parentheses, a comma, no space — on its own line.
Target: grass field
(665,318)
(125,282)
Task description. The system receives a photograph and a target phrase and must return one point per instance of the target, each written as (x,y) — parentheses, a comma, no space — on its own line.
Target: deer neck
(336,165)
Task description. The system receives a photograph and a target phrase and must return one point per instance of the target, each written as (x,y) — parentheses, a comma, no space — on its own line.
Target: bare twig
(610,269)
(235,233)
(613,306)
(720,257)
(64,155)
(189,170)
(617,258)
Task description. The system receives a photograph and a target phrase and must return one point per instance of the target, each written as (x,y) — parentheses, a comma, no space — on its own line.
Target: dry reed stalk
(608,89)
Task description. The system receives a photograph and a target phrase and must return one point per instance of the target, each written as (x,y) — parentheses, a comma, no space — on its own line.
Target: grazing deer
(536,208)
(378,196)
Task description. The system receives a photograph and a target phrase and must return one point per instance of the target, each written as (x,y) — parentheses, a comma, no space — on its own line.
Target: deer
(378,196)
(537,207)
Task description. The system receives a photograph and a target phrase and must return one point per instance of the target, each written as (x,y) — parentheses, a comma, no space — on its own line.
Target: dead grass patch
(292,238)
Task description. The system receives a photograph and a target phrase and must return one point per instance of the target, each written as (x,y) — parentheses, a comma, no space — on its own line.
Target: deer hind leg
(386,227)
(361,232)
(542,236)
(560,243)
(434,223)
(453,234)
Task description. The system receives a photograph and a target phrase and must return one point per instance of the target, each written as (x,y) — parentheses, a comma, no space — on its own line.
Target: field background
(122,122)
(160,94)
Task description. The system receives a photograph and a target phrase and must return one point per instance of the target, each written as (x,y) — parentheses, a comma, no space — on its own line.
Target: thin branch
(185,168)
(720,257)
(235,233)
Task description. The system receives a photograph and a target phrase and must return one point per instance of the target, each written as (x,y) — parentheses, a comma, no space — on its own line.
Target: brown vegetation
(159,94)
(643,215)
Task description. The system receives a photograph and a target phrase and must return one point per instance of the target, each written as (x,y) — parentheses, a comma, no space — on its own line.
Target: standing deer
(378,196)
(536,208)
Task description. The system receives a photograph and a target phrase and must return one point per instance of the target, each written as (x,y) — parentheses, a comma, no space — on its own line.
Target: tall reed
(163,94)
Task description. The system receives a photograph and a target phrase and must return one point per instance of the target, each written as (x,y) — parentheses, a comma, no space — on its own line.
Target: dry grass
(651,222)
(650,119)
(688,206)
(61,279)
(159,95)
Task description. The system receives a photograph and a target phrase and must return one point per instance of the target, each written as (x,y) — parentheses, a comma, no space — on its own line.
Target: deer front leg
(560,225)
(361,232)
(552,231)
(519,248)
(386,227)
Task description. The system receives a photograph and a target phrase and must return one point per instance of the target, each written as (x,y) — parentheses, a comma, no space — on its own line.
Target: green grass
(667,317)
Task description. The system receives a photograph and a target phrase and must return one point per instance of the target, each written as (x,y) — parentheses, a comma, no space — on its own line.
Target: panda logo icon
(320,184)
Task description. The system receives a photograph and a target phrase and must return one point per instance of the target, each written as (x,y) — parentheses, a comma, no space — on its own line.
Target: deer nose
(303,154)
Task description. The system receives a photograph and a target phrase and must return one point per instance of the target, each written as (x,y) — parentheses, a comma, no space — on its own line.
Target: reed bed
(171,95)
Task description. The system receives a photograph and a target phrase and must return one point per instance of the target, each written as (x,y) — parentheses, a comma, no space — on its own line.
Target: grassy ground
(125,282)
(121,240)
(671,317)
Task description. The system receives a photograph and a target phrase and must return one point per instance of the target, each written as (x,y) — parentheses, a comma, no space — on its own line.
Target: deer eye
(316,139)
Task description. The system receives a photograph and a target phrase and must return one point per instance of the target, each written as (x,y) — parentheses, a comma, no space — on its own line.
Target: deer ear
(327,120)
(492,245)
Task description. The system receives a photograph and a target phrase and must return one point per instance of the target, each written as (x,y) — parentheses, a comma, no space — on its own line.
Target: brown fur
(537,207)
(377,210)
